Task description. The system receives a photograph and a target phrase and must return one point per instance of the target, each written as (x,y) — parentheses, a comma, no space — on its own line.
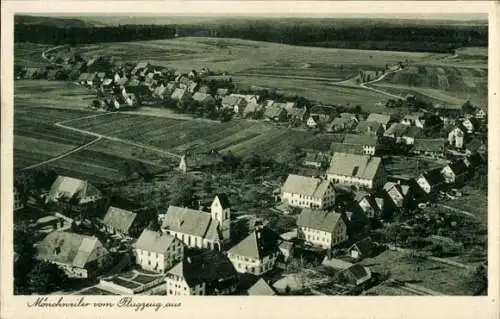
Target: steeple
(221,213)
(183,164)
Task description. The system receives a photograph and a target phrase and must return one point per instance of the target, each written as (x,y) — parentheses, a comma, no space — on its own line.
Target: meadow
(30,54)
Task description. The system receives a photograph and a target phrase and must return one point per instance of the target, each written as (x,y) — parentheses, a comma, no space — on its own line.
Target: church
(199,229)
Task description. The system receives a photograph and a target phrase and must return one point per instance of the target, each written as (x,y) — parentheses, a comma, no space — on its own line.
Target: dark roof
(364,246)
(223,199)
(154,241)
(429,145)
(318,219)
(413,131)
(192,222)
(360,139)
(474,145)
(434,177)
(458,167)
(260,243)
(207,267)
(367,126)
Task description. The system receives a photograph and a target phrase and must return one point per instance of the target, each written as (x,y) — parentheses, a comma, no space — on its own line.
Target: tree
(468,108)
(45,277)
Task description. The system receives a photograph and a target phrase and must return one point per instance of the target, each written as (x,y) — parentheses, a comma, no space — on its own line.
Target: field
(30,54)
(447,84)
(474,201)
(179,136)
(440,277)
(51,94)
(36,139)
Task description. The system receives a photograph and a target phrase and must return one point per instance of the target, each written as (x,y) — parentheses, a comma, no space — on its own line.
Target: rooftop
(318,219)
(360,166)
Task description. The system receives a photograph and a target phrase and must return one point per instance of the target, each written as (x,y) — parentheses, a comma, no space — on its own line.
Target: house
(208,273)
(343,123)
(122,222)
(316,120)
(275,113)
(192,86)
(158,252)
(252,110)
(257,253)
(361,249)
(315,159)
(234,103)
(73,190)
(369,128)
(396,131)
(82,79)
(456,137)
(91,79)
(261,288)
(180,95)
(302,191)
(429,147)
(470,124)
(475,145)
(414,119)
(204,89)
(200,229)
(366,203)
(160,92)
(481,114)
(141,66)
(397,194)
(429,182)
(321,228)
(222,92)
(79,256)
(355,275)
(411,134)
(296,114)
(360,171)
(18,202)
(368,145)
(454,172)
(383,119)
(286,248)
(249,98)
(203,98)
(32,73)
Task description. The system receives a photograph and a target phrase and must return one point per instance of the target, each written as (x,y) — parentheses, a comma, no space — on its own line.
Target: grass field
(440,277)
(474,201)
(30,54)
(179,136)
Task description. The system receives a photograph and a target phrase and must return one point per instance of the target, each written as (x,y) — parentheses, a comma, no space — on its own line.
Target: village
(311,232)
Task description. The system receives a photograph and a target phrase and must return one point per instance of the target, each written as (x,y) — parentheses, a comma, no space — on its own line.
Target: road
(58,157)
(380,78)
(44,54)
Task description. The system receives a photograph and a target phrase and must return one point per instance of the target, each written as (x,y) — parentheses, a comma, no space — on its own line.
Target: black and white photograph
(249,154)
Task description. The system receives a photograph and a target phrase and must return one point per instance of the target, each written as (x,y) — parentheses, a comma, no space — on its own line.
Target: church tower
(222,214)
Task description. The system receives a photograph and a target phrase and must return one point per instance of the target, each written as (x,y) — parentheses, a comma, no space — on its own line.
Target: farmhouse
(123,223)
(379,118)
(397,194)
(180,95)
(209,273)
(302,191)
(79,256)
(252,109)
(356,170)
(414,119)
(257,253)
(343,123)
(261,288)
(234,103)
(368,145)
(361,249)
(456,137)
(411,134)
(369,128)
(429,182)
(200,229)
(275,113)
(203,98)
(396,131)
(296,114)
(366,204)
(315,159)
(321,228)
(454,172)
(157,252)
(249,98)
(71,189)
(429,147)
(355,275)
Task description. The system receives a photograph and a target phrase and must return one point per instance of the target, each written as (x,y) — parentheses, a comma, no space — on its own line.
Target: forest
(348,34)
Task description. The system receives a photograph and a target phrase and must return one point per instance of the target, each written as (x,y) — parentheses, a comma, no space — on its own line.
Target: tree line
(39,33)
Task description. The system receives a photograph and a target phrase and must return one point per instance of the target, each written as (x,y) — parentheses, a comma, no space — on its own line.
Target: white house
(66,188)
(361,171)
(456,137)
(414,119)
(257,253)
(302,191)
(158,252)
(321,228)
(200,229)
